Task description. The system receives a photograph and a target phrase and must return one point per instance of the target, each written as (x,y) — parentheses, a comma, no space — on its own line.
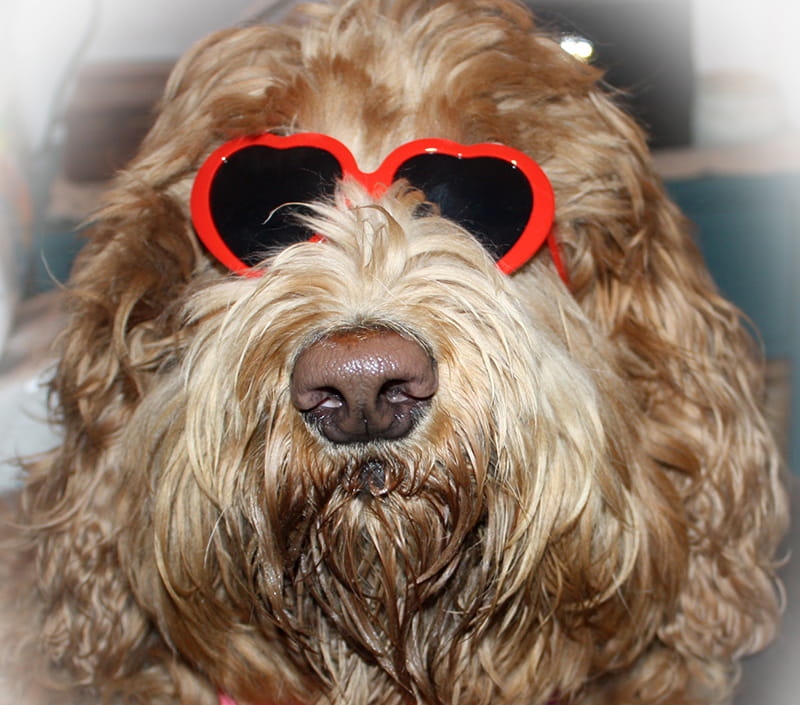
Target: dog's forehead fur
(586,508)
(469,71)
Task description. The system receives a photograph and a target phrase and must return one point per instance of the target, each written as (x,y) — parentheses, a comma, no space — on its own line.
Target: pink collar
(227,700)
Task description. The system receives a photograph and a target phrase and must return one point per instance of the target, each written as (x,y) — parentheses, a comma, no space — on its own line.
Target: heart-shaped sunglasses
(248,193)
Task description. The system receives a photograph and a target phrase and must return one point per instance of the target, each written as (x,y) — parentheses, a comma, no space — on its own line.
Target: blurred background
(715,82)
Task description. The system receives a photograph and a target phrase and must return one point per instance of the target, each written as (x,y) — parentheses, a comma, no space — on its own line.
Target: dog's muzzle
(364,385)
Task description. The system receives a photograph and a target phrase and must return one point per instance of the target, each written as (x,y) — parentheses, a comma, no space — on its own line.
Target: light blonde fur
(589,511)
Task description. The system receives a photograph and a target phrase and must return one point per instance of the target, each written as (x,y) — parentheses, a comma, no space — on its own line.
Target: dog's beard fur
(368,568)
(413,561)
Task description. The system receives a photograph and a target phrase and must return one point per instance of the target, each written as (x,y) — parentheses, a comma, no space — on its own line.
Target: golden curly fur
(590,509)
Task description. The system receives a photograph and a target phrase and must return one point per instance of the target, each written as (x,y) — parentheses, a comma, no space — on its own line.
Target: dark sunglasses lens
(488,196)
(258,191)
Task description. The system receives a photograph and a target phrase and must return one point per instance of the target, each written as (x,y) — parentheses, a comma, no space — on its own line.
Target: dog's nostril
(363,385)
(330,399)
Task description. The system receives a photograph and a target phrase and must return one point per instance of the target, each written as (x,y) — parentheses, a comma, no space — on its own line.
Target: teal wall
(749,232)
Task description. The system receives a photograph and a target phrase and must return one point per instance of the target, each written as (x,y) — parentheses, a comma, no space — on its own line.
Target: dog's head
(376,461)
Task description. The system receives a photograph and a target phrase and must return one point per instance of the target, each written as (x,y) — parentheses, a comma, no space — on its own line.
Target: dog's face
(384,444)
(381,445)
(384,469)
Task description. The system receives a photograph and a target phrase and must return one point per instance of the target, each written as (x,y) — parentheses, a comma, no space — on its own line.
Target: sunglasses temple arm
(555,252)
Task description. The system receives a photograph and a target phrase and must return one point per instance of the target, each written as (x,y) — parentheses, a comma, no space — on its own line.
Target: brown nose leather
(363,385)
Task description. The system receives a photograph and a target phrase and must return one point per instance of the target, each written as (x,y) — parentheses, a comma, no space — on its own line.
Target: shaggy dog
(373,466)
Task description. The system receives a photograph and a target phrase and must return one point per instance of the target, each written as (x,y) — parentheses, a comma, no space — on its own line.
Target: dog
(392,375)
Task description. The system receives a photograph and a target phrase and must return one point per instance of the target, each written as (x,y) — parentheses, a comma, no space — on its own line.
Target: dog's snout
(364,385)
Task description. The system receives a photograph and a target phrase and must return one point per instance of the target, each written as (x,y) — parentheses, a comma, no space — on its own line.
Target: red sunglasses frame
(537,230)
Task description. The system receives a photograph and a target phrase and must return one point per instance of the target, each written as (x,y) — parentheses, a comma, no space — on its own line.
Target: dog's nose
(363,385)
